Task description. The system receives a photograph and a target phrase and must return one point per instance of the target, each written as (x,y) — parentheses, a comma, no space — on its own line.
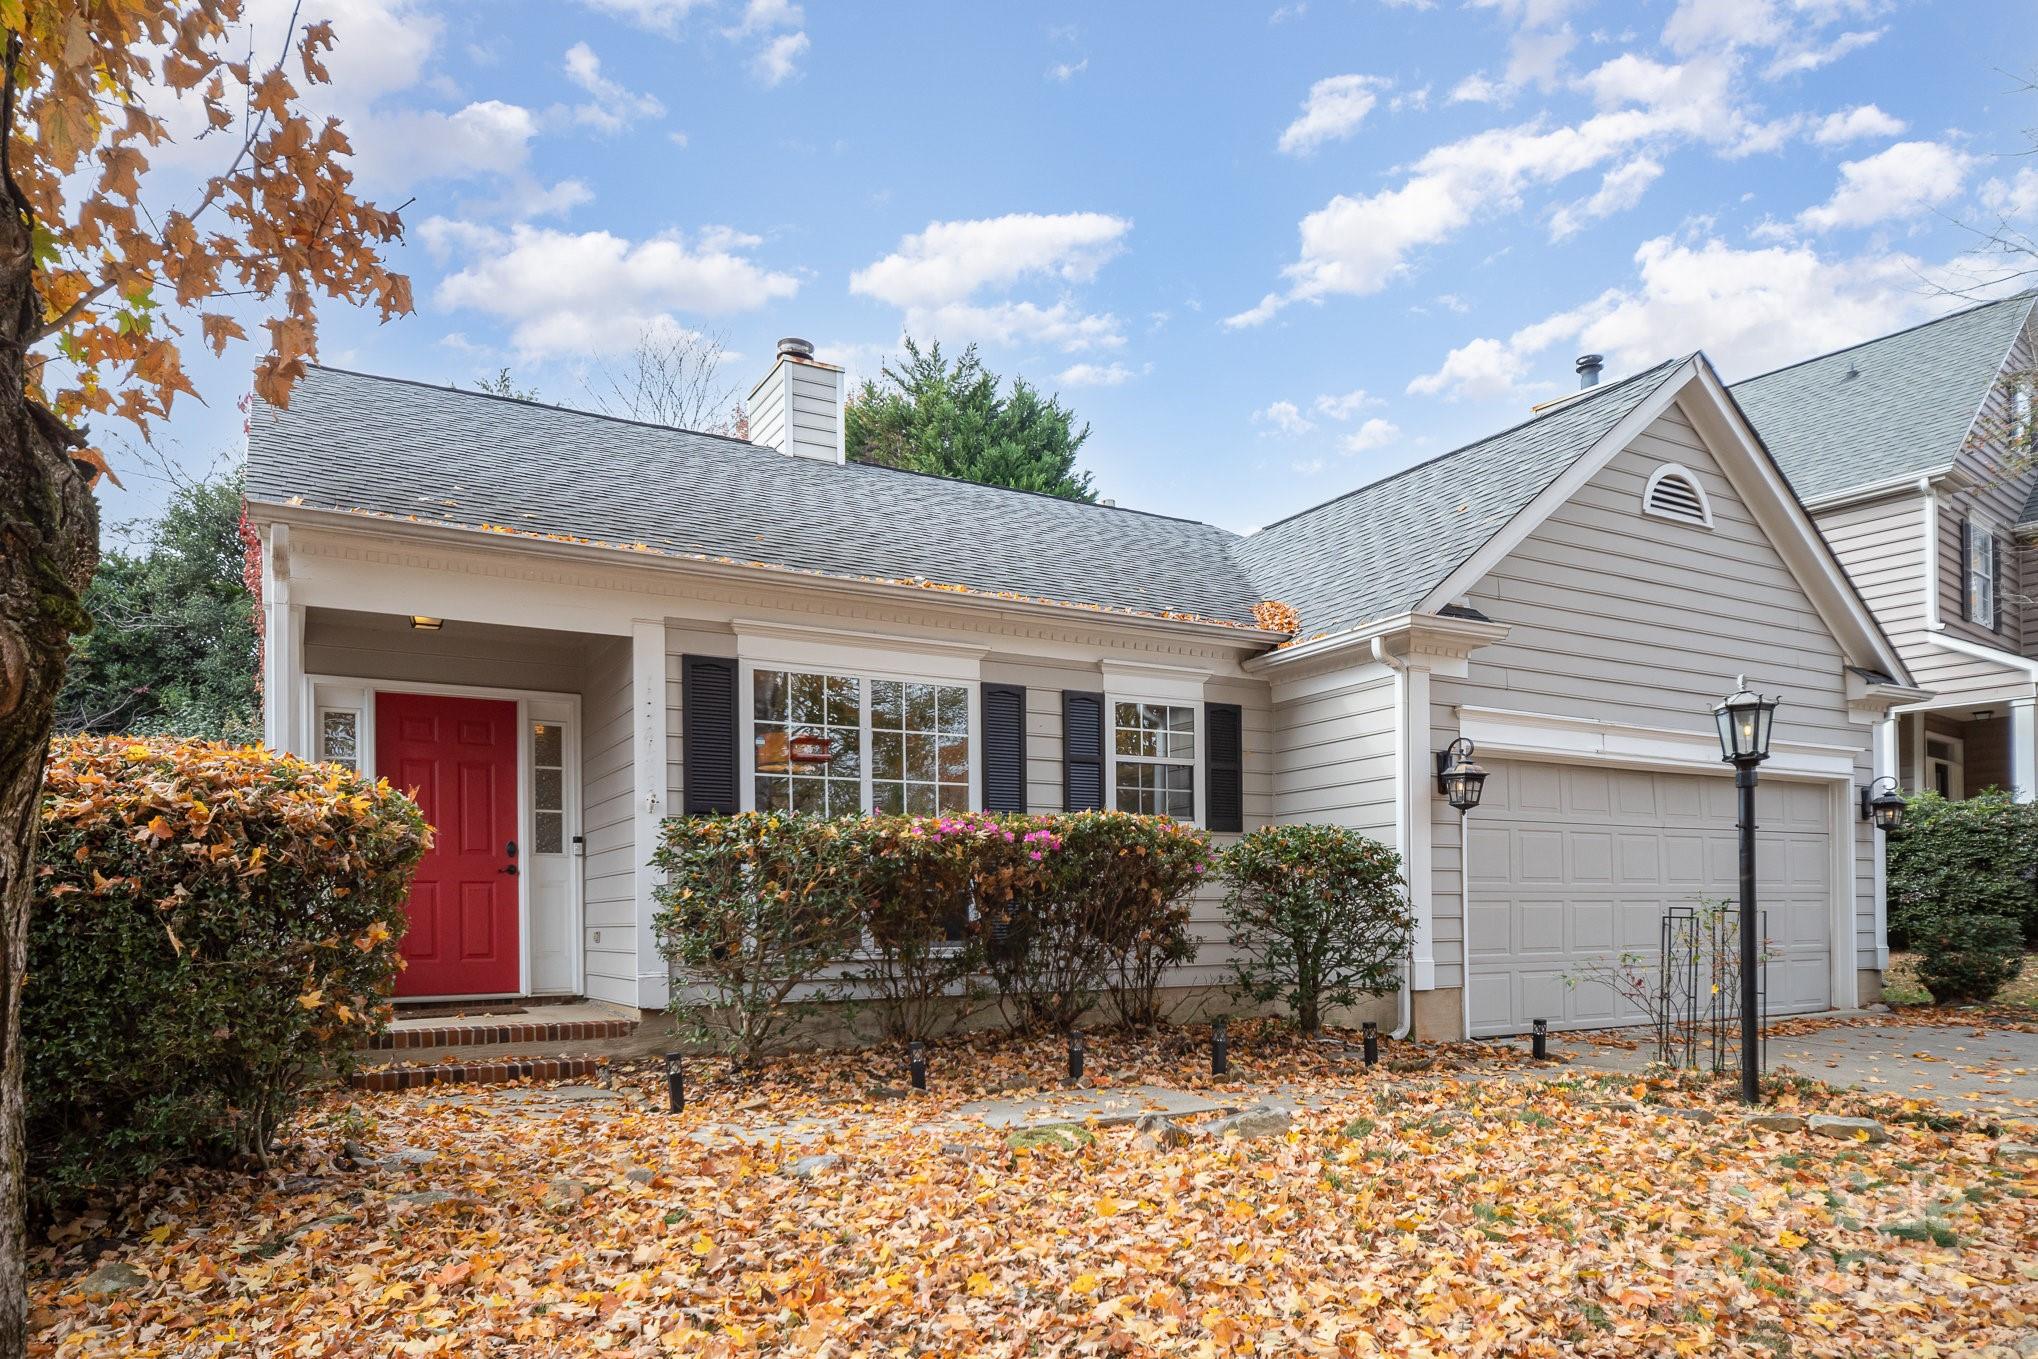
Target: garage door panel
(1574,866)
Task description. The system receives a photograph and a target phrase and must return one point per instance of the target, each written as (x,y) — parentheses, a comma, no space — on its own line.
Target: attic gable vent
(1674,493)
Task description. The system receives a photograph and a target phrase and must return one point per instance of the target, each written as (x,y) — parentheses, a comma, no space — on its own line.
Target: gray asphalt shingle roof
(1378,550)
(1891,407)
(389,446)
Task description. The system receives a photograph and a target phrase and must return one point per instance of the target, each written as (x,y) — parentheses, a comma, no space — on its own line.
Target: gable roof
(398,449)
(1894,407)
(1383,548)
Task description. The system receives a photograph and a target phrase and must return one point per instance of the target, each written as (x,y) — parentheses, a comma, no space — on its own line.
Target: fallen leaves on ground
(1411,1214)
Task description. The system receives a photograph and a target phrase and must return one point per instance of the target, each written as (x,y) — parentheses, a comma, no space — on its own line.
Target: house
(563,628)
(1913,453)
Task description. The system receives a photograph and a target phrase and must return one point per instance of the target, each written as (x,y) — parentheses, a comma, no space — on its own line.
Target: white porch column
(283,725)
(647,764)
(2024,748)
(1886,766)
(1413,776)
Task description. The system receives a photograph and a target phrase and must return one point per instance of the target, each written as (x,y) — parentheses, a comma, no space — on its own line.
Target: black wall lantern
(1458,778)
(1886,808)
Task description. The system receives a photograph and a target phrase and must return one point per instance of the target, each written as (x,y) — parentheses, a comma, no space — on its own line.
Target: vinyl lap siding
(610,865)
(1622,617)
(1333,759)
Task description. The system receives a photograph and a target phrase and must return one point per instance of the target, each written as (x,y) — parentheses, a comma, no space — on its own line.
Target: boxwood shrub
(1974,857)
(214,930)
(1967,957)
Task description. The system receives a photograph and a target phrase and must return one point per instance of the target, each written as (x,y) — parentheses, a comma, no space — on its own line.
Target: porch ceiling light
(1459,778)
(1744,720)
(1886,808)
(422,623)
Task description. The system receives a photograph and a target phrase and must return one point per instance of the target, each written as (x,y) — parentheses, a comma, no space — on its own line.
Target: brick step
(458,1034)
(477,1071)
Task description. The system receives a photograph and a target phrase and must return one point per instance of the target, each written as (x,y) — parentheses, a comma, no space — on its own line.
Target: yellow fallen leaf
(1085,1284)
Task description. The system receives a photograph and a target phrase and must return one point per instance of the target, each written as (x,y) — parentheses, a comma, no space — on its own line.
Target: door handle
(510,869)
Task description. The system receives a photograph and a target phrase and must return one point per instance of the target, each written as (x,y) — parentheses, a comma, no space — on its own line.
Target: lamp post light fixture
(1886,808)
(1371,1034)
(1220,1048)
(1744,719)
(675,1082)
(1459,778)
(1076,1050)
(916,1064)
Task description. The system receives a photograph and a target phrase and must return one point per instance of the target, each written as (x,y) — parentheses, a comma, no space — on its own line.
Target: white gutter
(1404,823)
(1877,490)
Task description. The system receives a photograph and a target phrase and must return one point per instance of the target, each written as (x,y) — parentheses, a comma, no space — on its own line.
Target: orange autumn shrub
(214,931)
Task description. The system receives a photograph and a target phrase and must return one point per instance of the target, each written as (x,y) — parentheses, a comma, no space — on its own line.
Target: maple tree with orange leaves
(101,286)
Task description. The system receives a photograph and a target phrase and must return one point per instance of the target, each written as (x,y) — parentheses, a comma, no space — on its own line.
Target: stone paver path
(1993,1072)
(1124,1104)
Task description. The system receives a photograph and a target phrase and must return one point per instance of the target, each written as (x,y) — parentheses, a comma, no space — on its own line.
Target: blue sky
(1269,251)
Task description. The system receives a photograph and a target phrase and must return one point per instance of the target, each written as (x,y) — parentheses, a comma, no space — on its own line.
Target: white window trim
(746,682)
(1956,765)
(1690,478)
(1197,777)
(1981,567)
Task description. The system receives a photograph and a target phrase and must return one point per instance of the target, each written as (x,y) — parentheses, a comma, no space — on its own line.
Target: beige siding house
(649,616)
(1914,454)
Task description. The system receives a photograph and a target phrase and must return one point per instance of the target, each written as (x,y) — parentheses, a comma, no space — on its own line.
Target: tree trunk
(49,545)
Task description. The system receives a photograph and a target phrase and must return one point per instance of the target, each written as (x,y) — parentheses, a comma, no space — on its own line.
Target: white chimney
(797,409)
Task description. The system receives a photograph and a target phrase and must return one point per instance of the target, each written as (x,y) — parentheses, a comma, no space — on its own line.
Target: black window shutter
(1004,719)
(1966,571)
(1224,746)
(709,737)
(1082,751)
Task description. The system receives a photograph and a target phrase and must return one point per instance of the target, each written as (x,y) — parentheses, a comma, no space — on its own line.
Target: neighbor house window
(339,736)
(1981,576)
(1153,747)
(838,745)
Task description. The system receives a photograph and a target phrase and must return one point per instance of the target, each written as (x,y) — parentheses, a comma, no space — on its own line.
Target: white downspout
(1932,582)
(1464,928)
(1404,825)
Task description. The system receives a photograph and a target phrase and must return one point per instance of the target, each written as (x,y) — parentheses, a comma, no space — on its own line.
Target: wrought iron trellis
(1698,995)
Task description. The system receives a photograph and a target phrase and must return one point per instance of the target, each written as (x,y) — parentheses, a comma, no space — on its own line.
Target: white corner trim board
(1504,732)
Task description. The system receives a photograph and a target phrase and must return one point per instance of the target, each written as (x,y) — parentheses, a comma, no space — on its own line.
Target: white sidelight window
(339,736)
(1153,757)
(838,745)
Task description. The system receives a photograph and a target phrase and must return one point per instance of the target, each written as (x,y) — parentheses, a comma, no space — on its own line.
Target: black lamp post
(1744,720)
(1886,808)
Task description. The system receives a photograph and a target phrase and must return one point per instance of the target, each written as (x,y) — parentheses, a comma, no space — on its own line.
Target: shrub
(918,877)
(1976,857)
(1319,915)
(1967,957)
(753,909)
(1133,876)
(214,929)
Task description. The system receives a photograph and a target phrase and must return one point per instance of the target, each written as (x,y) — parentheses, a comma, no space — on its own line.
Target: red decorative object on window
(811,748)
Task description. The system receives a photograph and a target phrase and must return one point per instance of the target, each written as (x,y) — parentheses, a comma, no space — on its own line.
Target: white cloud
(567,293)
(1477,89)
(2014,199)
(1097,375)
(656,16)
(1335,107)
(1307,467)
(611,108)
(1372,434)
(1797,60)
(1284,13)
(1900,181)
(1620,188)
(1537,58)
(398,149)
(1065,71)
(556,201)
(1863,120)
(1285,417)
(1698,25)
(935,276)
(1342,405)
(778,62)
(768,16)
(1750,310)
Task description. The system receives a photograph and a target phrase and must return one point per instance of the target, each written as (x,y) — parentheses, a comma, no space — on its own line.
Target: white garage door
(1572,863)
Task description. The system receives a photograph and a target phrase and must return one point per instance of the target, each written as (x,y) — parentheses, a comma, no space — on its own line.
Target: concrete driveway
(1963,1068)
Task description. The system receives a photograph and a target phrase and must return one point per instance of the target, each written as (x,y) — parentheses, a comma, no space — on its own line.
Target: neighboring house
(564,628)
(1914,454)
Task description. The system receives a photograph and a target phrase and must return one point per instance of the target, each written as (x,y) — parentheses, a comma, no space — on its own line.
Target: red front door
(458,758)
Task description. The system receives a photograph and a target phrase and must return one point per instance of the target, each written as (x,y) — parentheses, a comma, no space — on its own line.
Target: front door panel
(458,757)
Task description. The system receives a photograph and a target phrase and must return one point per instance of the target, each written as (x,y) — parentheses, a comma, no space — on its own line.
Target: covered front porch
(1958,747)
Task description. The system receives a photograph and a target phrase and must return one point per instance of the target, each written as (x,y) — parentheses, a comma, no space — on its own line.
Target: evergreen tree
(927,415)
(172,645)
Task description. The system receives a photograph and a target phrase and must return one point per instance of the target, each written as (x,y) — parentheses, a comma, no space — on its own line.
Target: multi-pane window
(1154,750)
(548,787)
(339,736)
(1981,576)
(807,742)
(919,747)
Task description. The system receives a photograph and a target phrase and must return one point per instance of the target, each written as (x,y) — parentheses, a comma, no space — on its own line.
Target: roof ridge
(2027,296)
(1480,442)
(752,447)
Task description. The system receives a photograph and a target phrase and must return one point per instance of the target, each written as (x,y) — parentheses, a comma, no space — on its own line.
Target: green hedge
(1975,857)
(1968,957)
(214,929)
(767,915)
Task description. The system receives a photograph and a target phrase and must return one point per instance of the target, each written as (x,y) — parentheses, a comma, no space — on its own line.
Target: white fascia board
(1501,731)
(1907,484)
(1435,642)
(2009,660)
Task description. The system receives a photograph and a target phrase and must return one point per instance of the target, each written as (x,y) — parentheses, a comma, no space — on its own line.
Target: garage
(1572,863)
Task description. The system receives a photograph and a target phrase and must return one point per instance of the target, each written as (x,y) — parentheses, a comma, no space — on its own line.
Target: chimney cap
(1588,367)
(793,347)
